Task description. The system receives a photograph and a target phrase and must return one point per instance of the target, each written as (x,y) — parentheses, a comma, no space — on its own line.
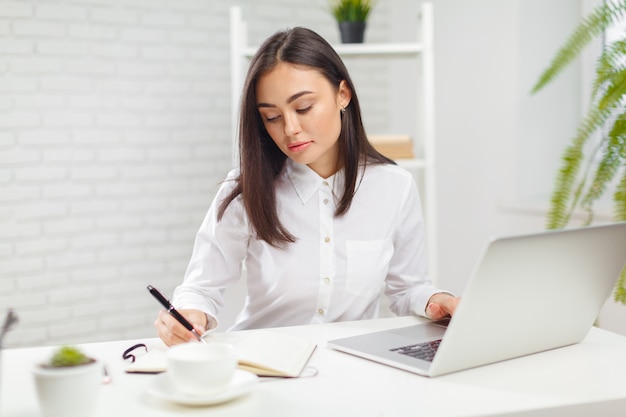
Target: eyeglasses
(128,353)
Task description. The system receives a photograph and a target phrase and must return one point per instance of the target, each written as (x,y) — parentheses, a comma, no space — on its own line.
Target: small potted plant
(68,383)
(351,15)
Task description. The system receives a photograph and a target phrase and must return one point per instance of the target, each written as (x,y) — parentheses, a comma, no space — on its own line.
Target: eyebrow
(289,100)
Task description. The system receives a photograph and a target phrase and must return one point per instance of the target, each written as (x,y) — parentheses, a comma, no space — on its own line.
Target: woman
(315,216)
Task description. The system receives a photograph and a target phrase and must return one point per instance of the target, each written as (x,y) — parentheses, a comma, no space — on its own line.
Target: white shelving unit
(423,167)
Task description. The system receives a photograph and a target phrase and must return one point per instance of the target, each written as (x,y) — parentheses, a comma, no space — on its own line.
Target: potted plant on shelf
(589,170)
(351,15)
(68,383)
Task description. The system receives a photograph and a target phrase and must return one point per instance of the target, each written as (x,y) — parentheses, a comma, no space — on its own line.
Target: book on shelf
(393,146)
(262,352)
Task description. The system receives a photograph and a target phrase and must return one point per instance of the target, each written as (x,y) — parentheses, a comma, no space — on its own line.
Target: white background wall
(114,133)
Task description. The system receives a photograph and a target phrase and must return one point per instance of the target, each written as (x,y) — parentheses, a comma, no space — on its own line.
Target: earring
(343,110)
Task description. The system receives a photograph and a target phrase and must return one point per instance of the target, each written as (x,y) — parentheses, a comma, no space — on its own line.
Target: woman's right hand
(173,333)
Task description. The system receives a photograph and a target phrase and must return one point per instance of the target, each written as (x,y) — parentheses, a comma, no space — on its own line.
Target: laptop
(528,294)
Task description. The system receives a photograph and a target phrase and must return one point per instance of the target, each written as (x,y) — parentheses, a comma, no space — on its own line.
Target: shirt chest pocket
(368,263)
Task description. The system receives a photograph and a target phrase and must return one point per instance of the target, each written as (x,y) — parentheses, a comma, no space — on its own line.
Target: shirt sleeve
(407,284)
(216,260)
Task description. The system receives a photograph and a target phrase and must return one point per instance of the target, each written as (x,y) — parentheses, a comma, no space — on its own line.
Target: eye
(304,110)
(271,119)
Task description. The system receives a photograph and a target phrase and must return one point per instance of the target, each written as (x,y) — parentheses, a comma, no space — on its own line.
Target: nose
(292,125)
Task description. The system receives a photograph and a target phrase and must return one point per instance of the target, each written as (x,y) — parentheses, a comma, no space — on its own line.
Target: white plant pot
(69,391)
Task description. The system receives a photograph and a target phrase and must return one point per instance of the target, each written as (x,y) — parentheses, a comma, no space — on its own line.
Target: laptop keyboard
(425,351)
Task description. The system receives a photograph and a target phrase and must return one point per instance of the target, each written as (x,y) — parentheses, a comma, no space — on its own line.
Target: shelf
(365,49)
(379,49)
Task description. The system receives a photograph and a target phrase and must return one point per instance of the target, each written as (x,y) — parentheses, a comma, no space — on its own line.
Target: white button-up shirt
(337,269)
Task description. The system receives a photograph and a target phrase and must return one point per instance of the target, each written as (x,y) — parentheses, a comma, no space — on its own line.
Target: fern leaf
(605,172)
(619,294)
(614,149)
(618,135)
(610,63)
(615,91)
(599,19)
(561,204)
(619,198)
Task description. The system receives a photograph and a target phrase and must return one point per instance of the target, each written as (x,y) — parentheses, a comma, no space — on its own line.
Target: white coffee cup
(201,369)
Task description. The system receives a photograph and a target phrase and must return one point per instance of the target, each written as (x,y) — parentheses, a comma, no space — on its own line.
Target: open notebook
(262,352)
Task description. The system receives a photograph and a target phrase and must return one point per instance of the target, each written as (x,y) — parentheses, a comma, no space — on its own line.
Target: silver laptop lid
(533,293)
(527,294)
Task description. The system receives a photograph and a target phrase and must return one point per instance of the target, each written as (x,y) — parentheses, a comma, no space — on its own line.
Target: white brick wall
(114,133)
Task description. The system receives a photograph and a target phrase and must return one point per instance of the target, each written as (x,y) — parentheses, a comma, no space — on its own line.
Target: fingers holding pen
(166,329)
(172,332)
(197,318)
(170,321)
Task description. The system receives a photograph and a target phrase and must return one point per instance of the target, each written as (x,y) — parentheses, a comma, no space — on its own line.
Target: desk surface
(581,380)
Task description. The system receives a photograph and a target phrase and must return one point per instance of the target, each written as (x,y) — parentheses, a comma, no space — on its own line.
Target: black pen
(170,309)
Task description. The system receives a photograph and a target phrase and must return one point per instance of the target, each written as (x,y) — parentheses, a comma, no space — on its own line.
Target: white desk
(588,379)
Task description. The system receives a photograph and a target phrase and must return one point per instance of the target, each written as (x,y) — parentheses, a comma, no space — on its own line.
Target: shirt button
(325,183)
(321,311)
(325,201)
(326,280)
(326,239)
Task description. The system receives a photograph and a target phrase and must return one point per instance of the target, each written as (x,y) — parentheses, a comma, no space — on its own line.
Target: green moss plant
(68,356)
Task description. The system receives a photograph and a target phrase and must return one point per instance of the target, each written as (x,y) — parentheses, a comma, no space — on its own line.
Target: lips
(298,146)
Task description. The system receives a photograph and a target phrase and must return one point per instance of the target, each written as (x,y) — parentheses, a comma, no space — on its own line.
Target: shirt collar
(306,181)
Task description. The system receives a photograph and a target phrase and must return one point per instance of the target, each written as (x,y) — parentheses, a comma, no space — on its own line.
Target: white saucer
(242,382)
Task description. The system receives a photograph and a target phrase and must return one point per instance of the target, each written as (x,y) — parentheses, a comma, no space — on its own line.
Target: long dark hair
(261,161)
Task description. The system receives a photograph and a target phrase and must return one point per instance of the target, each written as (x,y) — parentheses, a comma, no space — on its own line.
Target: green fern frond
(605,172)
(619,294)
(599,19)
(558,216)
(618,135)
(564,199)
(614,146)
(594,120)
(619,199)
(610,63)
(608,108)
(615,91)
